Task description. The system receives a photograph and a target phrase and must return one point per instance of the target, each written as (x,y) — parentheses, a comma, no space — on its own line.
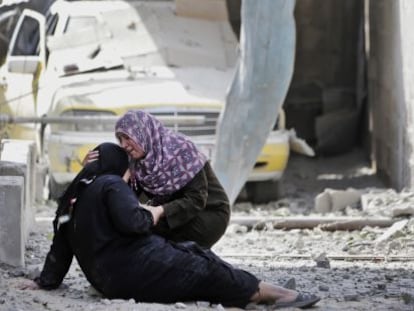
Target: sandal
(290,284)
(303,300)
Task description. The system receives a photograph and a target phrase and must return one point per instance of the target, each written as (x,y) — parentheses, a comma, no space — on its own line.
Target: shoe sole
(297,304)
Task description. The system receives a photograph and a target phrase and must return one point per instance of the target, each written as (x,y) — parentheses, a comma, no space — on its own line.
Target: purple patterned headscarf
(171,159)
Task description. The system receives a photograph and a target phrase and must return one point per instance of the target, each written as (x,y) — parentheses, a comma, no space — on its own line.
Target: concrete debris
(351,297)
(408,298)
(322,261)
(236,229)
(368,202)
(336,200)
(203,304)
(180,305)
(388,203)
(323,203)
(396,227)
(403,210)
(299,145)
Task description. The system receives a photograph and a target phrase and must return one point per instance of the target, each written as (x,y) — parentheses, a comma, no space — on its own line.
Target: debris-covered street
(256,87)
(367,269)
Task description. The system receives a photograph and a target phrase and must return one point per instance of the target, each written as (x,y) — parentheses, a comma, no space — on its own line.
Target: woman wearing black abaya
(100,222)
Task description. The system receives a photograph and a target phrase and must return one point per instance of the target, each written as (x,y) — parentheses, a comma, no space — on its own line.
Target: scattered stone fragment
(237,229)
(332,200)
(322,261)
(323,288)
(17,272)
(381,286)
(203,304)
(93,292)
(396,227)
(403,210)
(408,298)
(351,297)
(394,246)
(32,273)
(299,244)
(323,203)
(180,305)
(106,301)
(218,307)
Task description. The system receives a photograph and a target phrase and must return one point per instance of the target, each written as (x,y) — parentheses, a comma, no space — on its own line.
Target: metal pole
(166,120)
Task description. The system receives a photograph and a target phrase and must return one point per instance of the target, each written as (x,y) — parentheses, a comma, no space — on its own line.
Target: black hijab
(112,160)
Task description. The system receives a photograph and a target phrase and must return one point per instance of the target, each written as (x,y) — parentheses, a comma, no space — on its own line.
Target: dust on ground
(383,280)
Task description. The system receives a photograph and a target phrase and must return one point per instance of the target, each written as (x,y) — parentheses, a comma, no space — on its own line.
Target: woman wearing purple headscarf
(185,197)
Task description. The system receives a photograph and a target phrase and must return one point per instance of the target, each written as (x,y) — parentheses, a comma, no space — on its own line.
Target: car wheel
(259,192)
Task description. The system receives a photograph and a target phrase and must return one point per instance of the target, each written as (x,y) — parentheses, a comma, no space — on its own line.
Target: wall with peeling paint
(390,80)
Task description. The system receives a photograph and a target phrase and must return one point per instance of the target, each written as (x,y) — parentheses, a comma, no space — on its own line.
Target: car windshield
(77,23)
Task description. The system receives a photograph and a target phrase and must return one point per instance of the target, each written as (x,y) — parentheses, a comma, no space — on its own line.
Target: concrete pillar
(21,152)
(19,169)
(12,235)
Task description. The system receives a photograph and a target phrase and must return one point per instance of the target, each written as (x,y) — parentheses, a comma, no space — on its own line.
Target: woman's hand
(91,156)
(28,285)
(156,211)
(127,175)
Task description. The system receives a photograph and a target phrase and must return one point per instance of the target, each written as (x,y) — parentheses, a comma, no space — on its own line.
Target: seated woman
(100,222)
(167,168)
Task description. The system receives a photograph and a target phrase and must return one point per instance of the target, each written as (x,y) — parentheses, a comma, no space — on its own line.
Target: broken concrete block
(20,169)
(342,198)
(23,152)
(322,261)
(398,226)
(323,203)
(12,235)
(404,210)
(336,200)
(388,203)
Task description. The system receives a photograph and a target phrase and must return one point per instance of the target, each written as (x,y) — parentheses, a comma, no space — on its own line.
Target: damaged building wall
(390,83)
(326,43)
(324,78)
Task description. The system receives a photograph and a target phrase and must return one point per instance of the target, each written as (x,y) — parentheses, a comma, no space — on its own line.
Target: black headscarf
(112,160)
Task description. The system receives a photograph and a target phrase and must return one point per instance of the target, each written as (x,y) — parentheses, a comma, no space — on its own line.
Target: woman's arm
(57,262)
(125,210)
(190,200)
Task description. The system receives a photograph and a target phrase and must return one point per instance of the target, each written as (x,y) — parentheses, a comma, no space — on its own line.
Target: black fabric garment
(111,239)
(110,236)
(198,212)
(113,160)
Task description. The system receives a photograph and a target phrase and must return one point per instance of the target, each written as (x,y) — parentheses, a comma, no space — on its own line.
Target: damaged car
(90,61)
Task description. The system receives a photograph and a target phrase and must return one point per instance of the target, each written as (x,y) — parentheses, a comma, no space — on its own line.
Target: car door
(19,76)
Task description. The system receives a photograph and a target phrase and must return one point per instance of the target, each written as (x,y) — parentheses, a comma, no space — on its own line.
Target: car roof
(80,8)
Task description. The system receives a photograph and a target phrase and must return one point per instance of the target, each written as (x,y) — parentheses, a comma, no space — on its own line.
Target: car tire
(260,192)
